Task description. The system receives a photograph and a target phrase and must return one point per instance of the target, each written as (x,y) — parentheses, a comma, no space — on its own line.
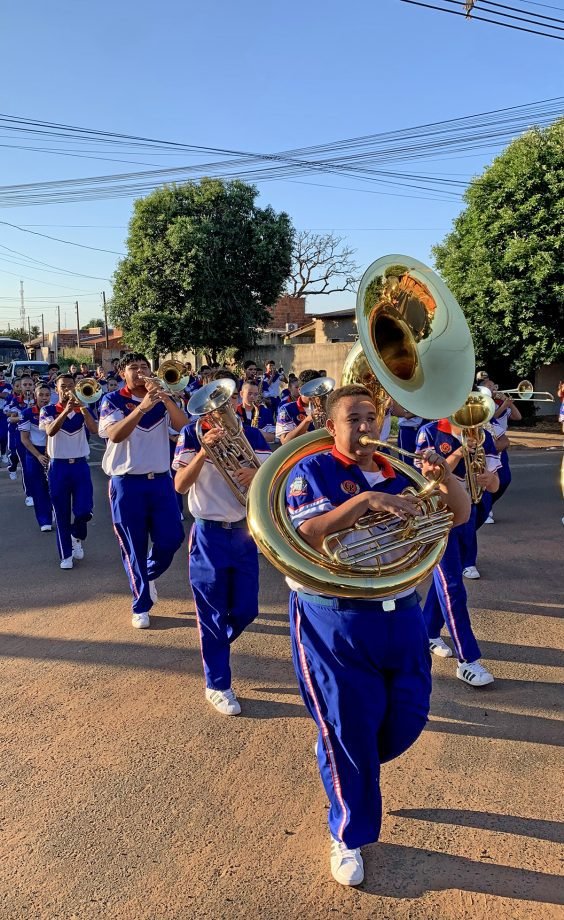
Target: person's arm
(53,427)
(186,475)
(316,529)
(515,415)
(28,444)
(177,416)
(121,430)
(89,420)
(301,428)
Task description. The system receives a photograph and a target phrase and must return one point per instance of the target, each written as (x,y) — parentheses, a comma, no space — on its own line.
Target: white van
(32,367)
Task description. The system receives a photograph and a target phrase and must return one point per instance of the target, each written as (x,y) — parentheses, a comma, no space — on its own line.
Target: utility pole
(58,319)
(22,306)
(77,326)
(29,328)
(105,320)
(42,332)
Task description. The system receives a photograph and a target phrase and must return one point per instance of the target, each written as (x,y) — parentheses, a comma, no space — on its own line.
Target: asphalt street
(125,795)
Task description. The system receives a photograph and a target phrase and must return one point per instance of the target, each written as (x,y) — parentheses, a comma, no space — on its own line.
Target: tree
(320,266)
(504,259)
(21,334)
(93,324)
(203,267)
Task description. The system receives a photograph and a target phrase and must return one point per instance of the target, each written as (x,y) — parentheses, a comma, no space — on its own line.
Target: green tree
(203,267)
(93,324)
(21,334)
(504,259)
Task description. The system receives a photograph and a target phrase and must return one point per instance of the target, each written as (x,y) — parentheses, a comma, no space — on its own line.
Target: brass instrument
(317,391)
(526,392)
(415,343)
(212,404)
(258,404)
(171,376)
(472,418)
(88,391)
(356,369)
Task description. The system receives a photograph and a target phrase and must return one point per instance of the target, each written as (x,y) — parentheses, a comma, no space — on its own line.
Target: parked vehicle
(40,367)
(11,350)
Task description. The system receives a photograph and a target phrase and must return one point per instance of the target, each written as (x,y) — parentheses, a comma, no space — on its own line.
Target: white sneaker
(224,701)
(13,476)
(5,459)
(46,528)
(470,572)
(347,867)
(489,519)
(474,673)
(77,550)
(67,563)
(153,592)
(440,648)
(29,502)
(140,620)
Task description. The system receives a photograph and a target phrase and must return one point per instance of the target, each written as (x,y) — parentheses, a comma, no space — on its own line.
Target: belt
(225,525)
(143,475)
(360,604)
(68,460)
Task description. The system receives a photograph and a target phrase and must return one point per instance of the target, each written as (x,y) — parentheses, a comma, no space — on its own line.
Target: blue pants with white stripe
(446,601)
(72,496)
(224,577)
(144,508)
(365,678)
(36,476)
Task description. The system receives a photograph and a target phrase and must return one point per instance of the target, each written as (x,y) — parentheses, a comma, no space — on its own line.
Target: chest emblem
(300,416)
(349,487)
(445,447)
(298,486)
(131,406)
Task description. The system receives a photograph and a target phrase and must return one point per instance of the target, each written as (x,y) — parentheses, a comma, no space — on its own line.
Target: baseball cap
(482,375)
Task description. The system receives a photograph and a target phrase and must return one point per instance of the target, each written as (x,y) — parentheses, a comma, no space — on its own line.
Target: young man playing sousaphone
(363,666)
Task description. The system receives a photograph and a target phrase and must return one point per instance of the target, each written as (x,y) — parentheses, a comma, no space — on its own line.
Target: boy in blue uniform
(295,418)
(247,410)
(34,441)
(363,666)
(135,420)
(70,484)
(446,601)
(223,561)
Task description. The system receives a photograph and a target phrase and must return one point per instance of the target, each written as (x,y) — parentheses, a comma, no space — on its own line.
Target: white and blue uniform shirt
(210,498)
(289,417)
(265,422)
(30,422)
(146,449)
(414,422)
(386,425)
(440,437)
(499,425)
(271,384)
(70,441)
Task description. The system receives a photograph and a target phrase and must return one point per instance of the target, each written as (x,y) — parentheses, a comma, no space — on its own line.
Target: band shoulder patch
(445,447)
(298,487)
(349,487)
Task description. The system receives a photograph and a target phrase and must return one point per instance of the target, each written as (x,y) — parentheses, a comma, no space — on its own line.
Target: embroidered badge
(300,417)
(350,487)
(444,447)
(298,486)
(131,406)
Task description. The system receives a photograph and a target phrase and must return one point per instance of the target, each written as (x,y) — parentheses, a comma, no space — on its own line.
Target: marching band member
(253,415)
(223,559)
(446,601)
(135,421)
(5,396)
(271,380)
(363,666)
(295,418)
(34,440)
(408,426)
(70,484)
(506,411)
(22,398)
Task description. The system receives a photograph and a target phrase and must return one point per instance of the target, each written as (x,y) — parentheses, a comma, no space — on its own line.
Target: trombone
(525,392)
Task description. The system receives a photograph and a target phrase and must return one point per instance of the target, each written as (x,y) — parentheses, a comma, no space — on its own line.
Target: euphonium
(88,391)
(472,418)
(212,404)
(415,343)
(317,391)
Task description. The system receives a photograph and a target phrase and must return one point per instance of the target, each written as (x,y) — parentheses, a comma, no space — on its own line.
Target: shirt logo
(444,447)
(349,487)
(130,405)
(298,486)
(301,416)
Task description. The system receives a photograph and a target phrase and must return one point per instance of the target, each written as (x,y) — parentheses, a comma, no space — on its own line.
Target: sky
(247,76)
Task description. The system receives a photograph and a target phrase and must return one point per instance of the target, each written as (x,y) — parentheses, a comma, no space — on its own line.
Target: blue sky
(253,76)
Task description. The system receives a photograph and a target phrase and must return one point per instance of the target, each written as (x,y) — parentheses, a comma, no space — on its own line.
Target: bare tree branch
(322,265)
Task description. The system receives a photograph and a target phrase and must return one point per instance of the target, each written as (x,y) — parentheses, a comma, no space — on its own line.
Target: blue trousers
(17,454)
(446,601)
(223,571)
(36,476)
(145,508)
(365,678)
(72,496)
(3,433)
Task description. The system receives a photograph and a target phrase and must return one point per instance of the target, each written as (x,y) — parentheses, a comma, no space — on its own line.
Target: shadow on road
(408,872)
(503,824)
(481,722)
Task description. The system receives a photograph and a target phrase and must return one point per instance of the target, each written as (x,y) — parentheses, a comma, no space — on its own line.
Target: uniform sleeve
(186,449)
(24,424)
(109,415)
(424,441)
(493,462)
(45,417)
(284,422)
(305,494)
(259,444)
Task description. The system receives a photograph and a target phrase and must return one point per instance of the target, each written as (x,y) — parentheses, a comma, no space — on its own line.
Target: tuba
(212,404)
(88,391)
(472,418)
(415,347)
(317,391)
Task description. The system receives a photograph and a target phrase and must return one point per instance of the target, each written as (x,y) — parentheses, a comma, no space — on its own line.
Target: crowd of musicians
(363,666)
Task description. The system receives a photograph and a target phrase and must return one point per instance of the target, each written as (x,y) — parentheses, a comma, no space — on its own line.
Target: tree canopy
(203,267)
(504,259)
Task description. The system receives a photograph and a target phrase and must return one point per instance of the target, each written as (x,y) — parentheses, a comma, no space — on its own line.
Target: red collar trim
(444,425)
(384,466)
(300,405)
(125,392)
(59,407)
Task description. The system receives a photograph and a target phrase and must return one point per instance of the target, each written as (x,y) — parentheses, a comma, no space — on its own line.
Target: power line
(58,240)
(495,22)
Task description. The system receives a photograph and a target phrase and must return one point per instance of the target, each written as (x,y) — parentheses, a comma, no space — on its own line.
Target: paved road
(126,796)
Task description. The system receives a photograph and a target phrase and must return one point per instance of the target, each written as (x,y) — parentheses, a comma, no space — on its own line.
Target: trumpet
(88,391)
